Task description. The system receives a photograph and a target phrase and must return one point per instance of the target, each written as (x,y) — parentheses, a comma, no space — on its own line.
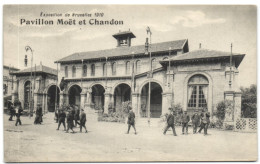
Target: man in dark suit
(70,122)
(170,123)
(83,120)
(18,113)
(12,112)
(195,121)
(204,122)
(62,117)
(131,120)
(185,118)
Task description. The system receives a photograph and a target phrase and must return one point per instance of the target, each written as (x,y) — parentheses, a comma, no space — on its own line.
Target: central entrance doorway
(74,95)
(53,93)
(155,102)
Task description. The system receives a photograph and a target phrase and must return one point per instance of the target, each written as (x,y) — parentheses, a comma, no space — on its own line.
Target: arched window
(127,67)
(197,92)
(74,71)
(66,71)
(84,70)
(114,68)
(138,66)
(105,69)
(153,63)
(93,70)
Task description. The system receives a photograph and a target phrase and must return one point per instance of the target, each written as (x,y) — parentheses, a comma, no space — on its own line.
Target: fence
(246,125)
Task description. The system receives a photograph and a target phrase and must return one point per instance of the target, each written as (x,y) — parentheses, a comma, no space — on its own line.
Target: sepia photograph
(129,83)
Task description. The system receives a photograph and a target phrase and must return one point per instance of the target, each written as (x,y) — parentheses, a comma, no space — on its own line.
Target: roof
(39,69)
(11,68)
(123,33)
(203,54)
(124,51)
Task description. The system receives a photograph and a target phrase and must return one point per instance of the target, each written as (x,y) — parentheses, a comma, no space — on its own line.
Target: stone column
(135,104)
(237,105)
(62,99)
(83,98)
(166,101)
(15,90)
(107,101)
(43,103)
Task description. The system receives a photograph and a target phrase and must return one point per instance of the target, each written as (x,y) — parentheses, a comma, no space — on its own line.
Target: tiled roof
(124,51)
(124,33)
(11,68)
(39,68)
(202,54)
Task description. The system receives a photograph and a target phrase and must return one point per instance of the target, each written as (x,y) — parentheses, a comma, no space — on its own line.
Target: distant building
(39,88)
(105,78)
(8,83)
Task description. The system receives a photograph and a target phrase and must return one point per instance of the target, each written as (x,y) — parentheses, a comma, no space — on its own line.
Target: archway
(122,94)
(53,96)
(27,94)
(98,96)
(155,101)
(74,95)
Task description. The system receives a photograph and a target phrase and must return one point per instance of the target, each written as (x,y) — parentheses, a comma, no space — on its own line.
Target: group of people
(15,111)
(198,120)
(73,116)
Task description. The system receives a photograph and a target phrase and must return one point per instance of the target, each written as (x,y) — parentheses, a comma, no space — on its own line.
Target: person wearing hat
(204,122)
(83,120)
(195,121)
(12,111)
(70,122)
(77,115)
(18,113)
(131,120)
(185,118)
(38,113)
(170,123)
(62,116)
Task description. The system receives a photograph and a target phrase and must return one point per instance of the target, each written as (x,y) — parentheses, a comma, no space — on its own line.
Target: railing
(246,125)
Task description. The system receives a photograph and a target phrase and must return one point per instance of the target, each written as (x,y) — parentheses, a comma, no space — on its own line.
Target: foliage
(249,102)
(118,116)
(222,108)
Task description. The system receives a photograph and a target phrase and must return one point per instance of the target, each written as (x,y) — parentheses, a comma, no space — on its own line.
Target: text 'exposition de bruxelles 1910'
(71,22)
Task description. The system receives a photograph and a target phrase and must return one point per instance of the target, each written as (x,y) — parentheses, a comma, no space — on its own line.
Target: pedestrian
(131,120)
(185,118)
(170,123)
(56,115)
(73,111)
(204,122)
(12,112)
(83,120)
(37,113)
(195,121)
(70,122)
(62,117)
(18,113)
(76,116)
(40,113)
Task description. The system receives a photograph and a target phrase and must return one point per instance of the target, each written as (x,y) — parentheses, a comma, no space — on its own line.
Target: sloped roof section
(124,33)
(203,54)
(39,68)
(124,51)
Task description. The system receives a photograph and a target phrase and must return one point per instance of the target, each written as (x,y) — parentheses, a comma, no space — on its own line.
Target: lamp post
(147,46)
(28,48)
(230,82)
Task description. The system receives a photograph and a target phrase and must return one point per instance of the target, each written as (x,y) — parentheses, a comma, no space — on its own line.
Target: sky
(215,27)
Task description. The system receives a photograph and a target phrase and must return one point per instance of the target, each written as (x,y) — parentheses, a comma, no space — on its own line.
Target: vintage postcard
(129,83)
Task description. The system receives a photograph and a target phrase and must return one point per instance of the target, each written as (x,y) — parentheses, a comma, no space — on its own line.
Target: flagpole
(230,82)
(56,92)
(150,76)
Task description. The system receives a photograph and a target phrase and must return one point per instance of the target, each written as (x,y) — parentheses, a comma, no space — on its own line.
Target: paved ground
(108,142)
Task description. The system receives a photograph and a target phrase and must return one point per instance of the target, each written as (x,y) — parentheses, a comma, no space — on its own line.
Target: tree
(249,102)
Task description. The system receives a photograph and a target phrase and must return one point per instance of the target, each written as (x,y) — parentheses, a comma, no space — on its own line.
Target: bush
(249,102)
